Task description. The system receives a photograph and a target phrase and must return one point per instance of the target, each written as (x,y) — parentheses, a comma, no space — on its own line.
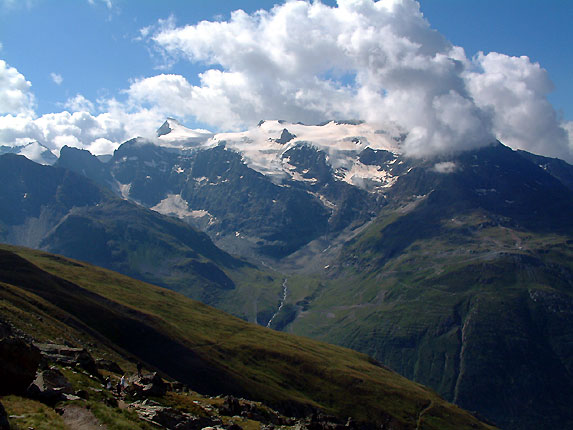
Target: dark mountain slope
(83,162)
(57,210)
(560,169)
(207,349)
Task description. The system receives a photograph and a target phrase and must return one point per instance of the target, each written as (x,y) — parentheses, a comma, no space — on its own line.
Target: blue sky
(95,48)
(540,29)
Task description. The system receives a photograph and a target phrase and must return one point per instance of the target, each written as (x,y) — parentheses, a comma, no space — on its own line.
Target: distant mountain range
(456,271)
(58,210)
(263,193)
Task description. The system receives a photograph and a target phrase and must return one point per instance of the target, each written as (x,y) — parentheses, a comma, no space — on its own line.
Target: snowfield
(263,151)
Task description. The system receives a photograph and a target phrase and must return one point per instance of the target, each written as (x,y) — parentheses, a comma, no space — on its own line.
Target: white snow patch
(200,214)
(359,174)
(327,203)
(124,190)
(484,191)
(174,205)
(445,167)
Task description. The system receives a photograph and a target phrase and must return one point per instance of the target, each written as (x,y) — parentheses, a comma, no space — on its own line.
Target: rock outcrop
(150,385)
(286,137)
(20,361)
(171,418)
(50,386)
(68,356)
(233,406)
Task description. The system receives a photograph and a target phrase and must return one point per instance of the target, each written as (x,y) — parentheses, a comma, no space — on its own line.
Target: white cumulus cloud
(15,95)
(20,125)
(378,61)
(514,90)
(57,78)
(79,104)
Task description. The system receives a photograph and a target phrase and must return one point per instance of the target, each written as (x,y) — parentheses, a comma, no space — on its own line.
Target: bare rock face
(286,137)
(20,361)
(68,356)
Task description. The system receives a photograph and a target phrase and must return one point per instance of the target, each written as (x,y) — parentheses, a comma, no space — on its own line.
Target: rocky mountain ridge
(263,193)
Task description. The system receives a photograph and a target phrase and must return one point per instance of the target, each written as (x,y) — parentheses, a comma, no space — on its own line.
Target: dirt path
(421,414)
(78,418)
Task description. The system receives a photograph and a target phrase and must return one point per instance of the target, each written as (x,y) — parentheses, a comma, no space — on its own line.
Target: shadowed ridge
(117,324)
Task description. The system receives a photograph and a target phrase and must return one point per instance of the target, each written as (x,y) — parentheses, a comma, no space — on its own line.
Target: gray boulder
(150,385)
(50,386)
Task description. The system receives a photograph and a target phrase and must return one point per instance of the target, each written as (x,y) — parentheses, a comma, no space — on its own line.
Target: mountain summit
(174,135)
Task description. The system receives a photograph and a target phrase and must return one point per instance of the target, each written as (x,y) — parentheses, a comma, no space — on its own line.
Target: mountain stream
(285,291)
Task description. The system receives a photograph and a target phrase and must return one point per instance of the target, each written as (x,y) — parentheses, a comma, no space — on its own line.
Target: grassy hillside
(481,312)
(53,298)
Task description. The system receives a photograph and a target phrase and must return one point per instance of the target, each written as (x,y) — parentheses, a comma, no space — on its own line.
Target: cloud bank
(378,61)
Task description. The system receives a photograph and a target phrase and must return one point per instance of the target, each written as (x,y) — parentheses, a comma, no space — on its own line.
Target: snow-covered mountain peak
(263,147)
(34,151)
(174,135)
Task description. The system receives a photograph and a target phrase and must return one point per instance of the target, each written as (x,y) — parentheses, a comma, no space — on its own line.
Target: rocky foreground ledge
(50,386)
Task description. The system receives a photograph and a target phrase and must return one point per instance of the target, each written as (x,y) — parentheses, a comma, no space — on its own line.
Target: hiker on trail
(139,368)
(121,384)
(108,383)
